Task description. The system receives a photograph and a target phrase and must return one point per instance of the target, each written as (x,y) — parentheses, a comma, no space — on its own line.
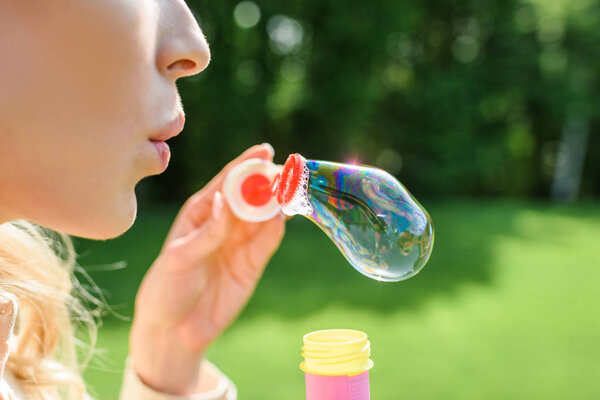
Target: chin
(107,225)
(111,230)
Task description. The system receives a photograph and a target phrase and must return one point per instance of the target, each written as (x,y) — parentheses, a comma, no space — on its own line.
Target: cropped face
(84,87)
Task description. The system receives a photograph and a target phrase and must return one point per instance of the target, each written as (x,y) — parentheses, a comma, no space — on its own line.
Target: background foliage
(454,97)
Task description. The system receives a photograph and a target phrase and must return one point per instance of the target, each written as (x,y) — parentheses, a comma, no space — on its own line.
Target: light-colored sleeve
(220,387)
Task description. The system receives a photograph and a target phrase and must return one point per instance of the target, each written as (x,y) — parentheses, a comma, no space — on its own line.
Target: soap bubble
(375,222)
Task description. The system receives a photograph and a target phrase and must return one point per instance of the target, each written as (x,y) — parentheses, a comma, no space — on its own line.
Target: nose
(182,49)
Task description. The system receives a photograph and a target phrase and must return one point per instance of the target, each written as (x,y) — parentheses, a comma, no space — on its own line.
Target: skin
(83,86)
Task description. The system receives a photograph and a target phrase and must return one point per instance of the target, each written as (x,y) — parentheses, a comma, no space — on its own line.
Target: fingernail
(217,205)
(269,148)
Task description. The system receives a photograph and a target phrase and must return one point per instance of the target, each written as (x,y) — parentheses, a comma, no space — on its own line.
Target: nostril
(182,66)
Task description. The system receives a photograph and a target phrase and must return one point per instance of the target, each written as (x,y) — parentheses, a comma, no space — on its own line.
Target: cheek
(78,64)
(100,188)
(74,100)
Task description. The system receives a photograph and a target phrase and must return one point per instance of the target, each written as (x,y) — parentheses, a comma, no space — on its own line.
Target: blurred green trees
(464,97)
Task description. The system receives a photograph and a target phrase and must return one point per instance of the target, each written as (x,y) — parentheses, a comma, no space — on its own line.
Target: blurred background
(487,111)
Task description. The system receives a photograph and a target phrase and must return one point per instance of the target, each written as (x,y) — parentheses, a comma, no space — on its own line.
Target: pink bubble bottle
(336,365)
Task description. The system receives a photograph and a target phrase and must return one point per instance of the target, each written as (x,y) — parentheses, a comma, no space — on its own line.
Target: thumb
(8,315)
(204,240)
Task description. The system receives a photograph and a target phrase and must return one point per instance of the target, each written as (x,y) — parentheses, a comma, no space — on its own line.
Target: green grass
(507,308)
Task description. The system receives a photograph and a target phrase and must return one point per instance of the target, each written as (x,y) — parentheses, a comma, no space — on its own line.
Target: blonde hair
(38,267)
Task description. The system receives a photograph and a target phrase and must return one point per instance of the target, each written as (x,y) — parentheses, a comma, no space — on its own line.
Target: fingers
(266,240)
(198,213)
(195,210)
(188,251)
(8,315)
(264,151)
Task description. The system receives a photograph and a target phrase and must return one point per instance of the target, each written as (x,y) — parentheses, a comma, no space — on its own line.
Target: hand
(204,275)
(8,315)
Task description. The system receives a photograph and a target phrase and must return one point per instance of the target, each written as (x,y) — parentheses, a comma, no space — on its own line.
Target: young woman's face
(84,85)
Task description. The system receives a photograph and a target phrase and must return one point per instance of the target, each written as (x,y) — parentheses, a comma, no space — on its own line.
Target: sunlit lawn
(507,308)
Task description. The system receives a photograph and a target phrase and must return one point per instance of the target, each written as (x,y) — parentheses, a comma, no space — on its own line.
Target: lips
(163,153)
(158,141)
(172,129)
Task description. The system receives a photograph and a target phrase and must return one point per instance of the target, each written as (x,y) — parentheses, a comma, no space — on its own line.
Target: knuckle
(174,255)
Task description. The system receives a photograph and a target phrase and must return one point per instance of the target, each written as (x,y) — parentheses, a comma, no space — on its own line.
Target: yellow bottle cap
(336,352)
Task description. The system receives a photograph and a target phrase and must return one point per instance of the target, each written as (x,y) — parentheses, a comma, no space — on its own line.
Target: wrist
(163,363)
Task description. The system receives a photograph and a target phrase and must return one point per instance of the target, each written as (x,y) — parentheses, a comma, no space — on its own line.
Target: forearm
(162,363)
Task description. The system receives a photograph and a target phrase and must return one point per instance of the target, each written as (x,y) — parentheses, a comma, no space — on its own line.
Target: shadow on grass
(309,273)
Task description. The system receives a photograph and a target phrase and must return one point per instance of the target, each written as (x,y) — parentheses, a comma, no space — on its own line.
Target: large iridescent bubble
(375,222)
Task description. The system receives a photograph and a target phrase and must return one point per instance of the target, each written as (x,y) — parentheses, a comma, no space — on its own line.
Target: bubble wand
(379,227)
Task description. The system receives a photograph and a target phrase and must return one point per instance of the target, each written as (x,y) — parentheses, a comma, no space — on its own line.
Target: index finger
(264,151)
(195,207)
